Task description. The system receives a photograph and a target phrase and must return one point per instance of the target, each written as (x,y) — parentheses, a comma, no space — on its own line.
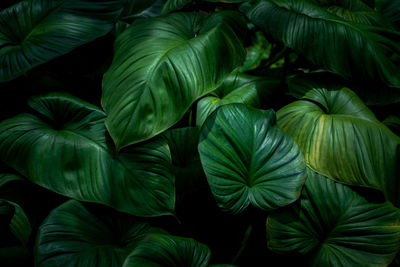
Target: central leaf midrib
(156,65)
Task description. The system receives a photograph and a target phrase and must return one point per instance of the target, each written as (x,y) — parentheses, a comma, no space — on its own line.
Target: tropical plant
(199,133)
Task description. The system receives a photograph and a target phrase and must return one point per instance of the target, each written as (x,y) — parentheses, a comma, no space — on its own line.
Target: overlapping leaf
(161,66)
(65,150)
(328,41)
(237,88)
(249,160)
(73,236)
(160,250)
(336,226)
(33,32)
(341,138)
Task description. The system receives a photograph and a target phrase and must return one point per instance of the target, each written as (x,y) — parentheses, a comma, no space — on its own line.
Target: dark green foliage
(199,133)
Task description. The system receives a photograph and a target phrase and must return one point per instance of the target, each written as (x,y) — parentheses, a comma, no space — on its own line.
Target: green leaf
(336,226)
(19,224)
(249,160)
(329,42)
(33,32)
(65,150)
(173,5)
(160,250)
(357,11)
(237,88)
(259,50)
(341,139)
(73,236)
(161,66)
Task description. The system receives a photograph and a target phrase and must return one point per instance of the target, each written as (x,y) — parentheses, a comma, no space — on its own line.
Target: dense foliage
(199,133)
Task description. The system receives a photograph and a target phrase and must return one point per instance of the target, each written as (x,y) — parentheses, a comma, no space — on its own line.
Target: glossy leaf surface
(342,139)
(160,250)
(33,32)
(73,236)
(336,226)
(328,41)
(65,150)
(237,88)
(161,66)
(249,160)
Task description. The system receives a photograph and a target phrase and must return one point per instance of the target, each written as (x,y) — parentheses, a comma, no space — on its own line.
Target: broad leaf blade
(66,151)
(336,227)
(342,139)
(161,66)
(160,250)
(34,32)
(329,42)
(73,236)
(249,160)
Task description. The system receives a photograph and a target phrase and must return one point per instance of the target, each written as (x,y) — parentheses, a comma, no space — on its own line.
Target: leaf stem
(244,243)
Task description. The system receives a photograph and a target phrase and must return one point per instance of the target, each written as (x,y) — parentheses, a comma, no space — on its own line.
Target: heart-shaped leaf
(237,88)
(332,43)
(33,32)
(65,150)
(341,139)
(161,66)
(160,250)
(336,226)
(73,236)
(249,160)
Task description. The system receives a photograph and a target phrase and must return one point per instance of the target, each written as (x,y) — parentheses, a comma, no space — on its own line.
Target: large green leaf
(65,150)
(161,66)
(73,236)
(237,88)
(336,226)
(160,250)
(33,32)
(249,160)
(341,138)
(330,42)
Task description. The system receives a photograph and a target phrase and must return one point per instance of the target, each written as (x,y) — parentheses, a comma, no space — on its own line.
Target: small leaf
(249,160)
(237,88)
